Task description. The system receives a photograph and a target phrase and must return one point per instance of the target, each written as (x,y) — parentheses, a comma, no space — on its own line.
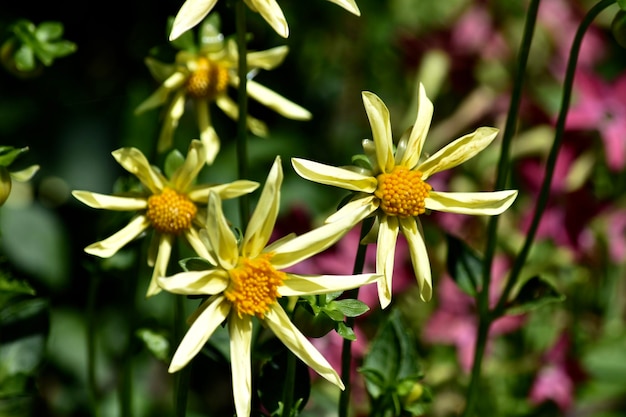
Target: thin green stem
(346,350)
(91,344)
(501,179)
(544,193)
(242,103)
(181,381)
(290,383)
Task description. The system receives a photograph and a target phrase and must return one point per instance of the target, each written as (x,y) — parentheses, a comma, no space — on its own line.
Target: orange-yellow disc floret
(208,80)
(402,192)
(254,286)
(170,212)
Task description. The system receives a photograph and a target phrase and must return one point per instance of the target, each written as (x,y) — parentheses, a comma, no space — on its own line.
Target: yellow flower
(396,188)
(193,11)
(246,281)
(171,207)
(204,77)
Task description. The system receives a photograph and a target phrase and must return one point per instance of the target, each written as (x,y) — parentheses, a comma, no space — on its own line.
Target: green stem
(181,381)
(485,318)
(290,383)
(346,350)
(91,344)
(242,103)
(544,193)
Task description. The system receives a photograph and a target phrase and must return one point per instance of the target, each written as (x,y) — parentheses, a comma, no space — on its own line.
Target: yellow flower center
(209,80)
(402,192)
(254,285)
(170,212)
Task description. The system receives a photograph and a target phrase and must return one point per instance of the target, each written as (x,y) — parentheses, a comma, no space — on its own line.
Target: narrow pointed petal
(409,156)
(162,72)
(193,237)
(172,117)
(480,203)
(263,218)
(222,241)
(279,323)
(268,59)
(311,243)
(337,177)
(276,102)
(187,173)
(208,135)
(229,107)
(110,202)
(109,246)
(359,208)
(458,151)
(412,230)
(160,96)
(208,282)
(213,313)
(224,191)
(190,14)
(160,264)
(385,251)
(321,284)
(271,12)
(378,115)
(349,5)
(240,331)
(134,161)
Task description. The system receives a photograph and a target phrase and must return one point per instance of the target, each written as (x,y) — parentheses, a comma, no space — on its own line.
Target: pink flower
(455,321)
(601,106)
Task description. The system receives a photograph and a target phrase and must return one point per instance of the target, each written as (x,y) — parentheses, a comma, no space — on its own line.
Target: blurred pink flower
(455,321)
(601,106)
(556,380)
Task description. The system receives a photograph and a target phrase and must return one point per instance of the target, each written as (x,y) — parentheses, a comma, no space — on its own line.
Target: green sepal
(194,264)
(532,294)
(210,37)
(362,161)
(173,161)
(8,154)
(464,266)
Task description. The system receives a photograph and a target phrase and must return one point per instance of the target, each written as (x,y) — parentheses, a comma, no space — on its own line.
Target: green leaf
(349,307)
(532,294)
(24,58)
(622,4)
(173,161)
(49,31)
(156,342)
(10,288)
(194,264)
(345,331)
(9,153)
(362,161)
(464,266)
(336,315)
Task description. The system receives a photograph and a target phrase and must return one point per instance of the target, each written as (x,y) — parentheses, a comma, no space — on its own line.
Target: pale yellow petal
(207,282)
(222,241)
(458,151)
(412,230)
(320,284)
(349,5)
(187,173)
(193,238)
(109,246)
(276,102)
(359,208)
(160,96)
(25,174)
(378,115)
(480,203)
(208,135)
(263,218)
(408,154)
(337,177)
(224,191)
(385,251)
(172,117)
(291,337)
(134,161)
(190,14)
(271,12)
(110,202)
(268,59)
(240,332)
(160,264)
(229,107)
(213,313)
(162,71)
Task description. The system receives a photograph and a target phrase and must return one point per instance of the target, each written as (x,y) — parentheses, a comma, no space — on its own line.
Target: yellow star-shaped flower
(246,281)
(395,189)
(204,77)
(173,207)
(193,11)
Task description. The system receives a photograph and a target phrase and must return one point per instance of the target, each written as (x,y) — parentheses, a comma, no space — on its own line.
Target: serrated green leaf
(156,342)
(173,161)
(48,31)
(349,307)
(532,294)
(345,331)
(464,265)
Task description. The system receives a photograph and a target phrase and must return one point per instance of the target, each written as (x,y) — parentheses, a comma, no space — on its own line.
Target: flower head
(193,11)
(246,281)
(395,187)
(171,207)
(204,77)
